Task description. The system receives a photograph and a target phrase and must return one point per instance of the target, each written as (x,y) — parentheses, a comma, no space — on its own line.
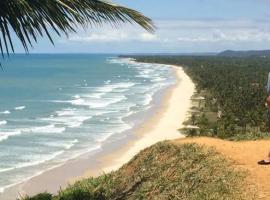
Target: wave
(43,129)
(158,79)
(3,122)
(6,134)
(19,108)
(63,144)
(107,82)
(100,103)
(40,161)
(111,87)
(94,148)
(106,102)
(69,121)
(96,95)
(5,112)
(35,161)
(66,112)
(76,96)
(148,100)
(71,144)
(73,112)
(116,130)
(116,60)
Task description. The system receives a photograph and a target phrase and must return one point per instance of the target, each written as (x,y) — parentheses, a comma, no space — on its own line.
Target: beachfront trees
(234,90)
(29,19)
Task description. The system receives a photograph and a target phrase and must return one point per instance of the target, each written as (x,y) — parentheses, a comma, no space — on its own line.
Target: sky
(183,26)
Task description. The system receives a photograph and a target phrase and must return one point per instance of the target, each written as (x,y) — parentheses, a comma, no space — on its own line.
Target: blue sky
(183,26)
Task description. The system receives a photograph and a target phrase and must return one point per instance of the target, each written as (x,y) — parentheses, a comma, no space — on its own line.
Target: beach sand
(162,125)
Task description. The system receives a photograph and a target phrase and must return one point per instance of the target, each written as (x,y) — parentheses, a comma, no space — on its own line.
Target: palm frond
(30,19)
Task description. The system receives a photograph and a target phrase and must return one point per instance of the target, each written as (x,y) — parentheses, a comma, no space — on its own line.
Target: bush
(41,196)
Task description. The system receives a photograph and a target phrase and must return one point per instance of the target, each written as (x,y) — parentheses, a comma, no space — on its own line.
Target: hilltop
(164,171)
(250,53)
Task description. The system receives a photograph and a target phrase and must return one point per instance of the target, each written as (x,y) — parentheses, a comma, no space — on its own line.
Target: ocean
(57,107)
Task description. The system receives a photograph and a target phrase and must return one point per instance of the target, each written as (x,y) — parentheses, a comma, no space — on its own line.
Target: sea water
(56,107)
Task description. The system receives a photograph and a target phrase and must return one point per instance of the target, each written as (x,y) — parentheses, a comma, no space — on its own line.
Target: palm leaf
(30,19)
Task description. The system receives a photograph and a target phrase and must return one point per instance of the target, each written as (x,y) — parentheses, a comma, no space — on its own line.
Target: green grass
(163,171)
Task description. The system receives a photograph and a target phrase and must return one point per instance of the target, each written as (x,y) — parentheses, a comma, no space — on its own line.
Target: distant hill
(259,53)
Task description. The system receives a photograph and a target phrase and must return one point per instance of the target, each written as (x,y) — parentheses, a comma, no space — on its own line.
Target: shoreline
(163,125)
(165,118)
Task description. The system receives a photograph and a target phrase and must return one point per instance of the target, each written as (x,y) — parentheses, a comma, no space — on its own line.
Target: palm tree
(29,19)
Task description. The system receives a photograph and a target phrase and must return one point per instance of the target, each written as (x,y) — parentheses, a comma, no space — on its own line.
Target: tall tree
(29,19)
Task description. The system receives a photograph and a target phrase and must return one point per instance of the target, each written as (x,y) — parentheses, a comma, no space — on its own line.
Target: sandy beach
(163,125)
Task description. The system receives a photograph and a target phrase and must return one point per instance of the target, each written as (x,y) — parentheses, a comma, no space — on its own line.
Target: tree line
(235,91)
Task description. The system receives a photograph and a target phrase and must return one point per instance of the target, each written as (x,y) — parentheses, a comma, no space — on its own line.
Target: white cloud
(148,37)
(113,36)
(232,35)
(180,36)
(110,35)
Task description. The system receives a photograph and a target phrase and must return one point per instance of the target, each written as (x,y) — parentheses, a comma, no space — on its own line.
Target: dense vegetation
(258,53)
(163,171)
(234,91)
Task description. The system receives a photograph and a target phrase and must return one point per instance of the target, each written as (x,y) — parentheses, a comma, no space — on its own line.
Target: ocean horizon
(55,107)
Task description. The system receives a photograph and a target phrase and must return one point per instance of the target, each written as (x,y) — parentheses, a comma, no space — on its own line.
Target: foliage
(42,196)
(30,19)
(235,87)
(164,171)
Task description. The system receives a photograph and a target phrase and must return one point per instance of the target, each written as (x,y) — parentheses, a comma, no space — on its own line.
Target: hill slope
(229,53)
(244,155)
(163,171)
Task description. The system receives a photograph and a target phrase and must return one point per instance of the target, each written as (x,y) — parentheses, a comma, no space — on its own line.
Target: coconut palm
(30,19)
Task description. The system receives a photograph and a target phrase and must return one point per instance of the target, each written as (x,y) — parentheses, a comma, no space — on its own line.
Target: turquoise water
(56,107)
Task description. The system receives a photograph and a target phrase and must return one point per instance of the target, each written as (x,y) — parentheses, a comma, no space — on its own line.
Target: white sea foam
(5,112)
(62,144)
(44,129)
(158,79)
(105,102)
(69,121)
(6,134)
(71,144)
(79,101)
(66,112)
(76,96)
(96,95)
(19,108)
(112,87)
(94,148)
(33,160)
(124,85)
(118,129)
(97,103)
(3,122)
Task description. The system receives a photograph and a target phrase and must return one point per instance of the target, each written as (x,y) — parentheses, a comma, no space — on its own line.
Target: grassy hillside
(163,171)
